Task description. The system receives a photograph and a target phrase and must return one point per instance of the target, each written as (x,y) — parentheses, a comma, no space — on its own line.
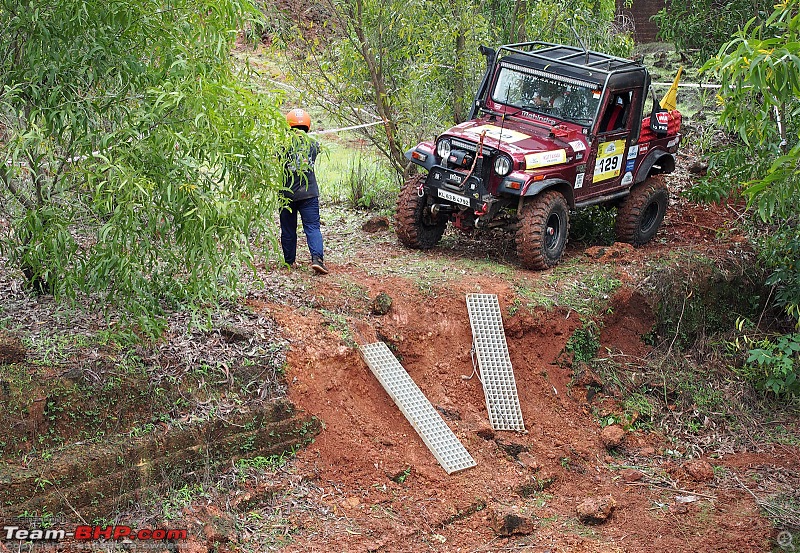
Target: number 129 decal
(609,160)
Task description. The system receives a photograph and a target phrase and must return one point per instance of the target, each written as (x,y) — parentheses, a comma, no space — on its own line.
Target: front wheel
(640,215)
(415,225)
(543,231)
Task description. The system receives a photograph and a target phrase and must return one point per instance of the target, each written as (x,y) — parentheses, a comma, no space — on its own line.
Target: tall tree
(135,162)
(759,74)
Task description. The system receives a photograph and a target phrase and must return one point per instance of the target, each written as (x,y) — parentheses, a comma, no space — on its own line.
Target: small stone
(631,475)
(596,510)
(375,224)
(699,470)
(647,451)
(381,304)
(507,521)
(528,461)
(351,502)
(698,168)
(534,485)
(678,509)
(612,436)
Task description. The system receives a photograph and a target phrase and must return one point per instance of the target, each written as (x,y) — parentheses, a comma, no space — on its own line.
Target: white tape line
(328,131)
(689,85)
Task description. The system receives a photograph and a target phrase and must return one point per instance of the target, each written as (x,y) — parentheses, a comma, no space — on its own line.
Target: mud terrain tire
(543,232)
(414,225)
(642,212)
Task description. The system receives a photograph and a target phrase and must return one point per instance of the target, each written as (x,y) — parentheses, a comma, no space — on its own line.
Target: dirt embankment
(384,490)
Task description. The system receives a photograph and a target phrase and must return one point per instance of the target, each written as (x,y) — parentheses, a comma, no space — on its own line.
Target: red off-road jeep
(552,128)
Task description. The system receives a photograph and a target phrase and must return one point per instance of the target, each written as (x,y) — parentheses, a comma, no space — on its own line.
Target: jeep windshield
(536,91)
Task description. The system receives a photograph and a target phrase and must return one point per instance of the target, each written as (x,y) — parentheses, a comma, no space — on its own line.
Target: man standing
(302,192)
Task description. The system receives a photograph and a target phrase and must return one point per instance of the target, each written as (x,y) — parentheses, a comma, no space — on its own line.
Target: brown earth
(369,483)
(382,490)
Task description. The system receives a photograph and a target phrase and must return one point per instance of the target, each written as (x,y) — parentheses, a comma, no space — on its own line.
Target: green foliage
(415,65)
(700,27)
(774,363)
(593,226)
(759,70)
(584,342)
(593,20)
(136,164)
(369,186)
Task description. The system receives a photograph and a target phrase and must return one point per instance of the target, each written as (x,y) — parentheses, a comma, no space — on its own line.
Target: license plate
(455,198)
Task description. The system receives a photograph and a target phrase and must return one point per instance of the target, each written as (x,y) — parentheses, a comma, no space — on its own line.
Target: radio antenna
(580,41)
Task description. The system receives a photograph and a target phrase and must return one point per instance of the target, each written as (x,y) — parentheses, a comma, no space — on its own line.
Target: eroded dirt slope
(378,488)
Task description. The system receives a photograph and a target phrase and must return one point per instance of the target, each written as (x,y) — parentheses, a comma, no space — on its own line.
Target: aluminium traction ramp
(494,363)
(430,426)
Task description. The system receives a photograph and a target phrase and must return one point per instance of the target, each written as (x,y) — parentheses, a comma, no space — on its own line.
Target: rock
(351,502)
(528,461)
(612,436)
(381,304)
(631,475)
(507,521)
(11,349)
(233,334)
(596,510)
(534,485)
(698,168)
(699,470)
(647,451)
(375,224)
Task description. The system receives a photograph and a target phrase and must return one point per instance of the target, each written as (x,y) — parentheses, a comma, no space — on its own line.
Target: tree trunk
(397,157)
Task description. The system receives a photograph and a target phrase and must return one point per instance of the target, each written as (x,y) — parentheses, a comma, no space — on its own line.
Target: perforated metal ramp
(494,363)
(444,445)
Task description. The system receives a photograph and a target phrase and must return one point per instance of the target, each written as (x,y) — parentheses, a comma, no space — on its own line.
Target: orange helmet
(299,118)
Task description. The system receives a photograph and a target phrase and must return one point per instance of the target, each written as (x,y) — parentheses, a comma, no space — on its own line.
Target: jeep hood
(513,137)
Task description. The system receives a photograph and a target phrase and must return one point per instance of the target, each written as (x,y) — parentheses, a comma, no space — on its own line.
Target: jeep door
(607,166)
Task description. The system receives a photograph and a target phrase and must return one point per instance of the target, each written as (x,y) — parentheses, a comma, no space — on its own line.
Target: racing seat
(614,118)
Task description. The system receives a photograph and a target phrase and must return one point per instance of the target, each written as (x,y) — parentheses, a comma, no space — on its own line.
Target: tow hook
(482,211)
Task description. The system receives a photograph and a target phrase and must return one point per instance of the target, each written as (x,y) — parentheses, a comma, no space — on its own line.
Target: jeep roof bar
(624,65)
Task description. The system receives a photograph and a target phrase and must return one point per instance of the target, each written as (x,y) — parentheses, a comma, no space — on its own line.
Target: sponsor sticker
(545,159)
(493,131)
(628,178)
(630,165)
(633,151)
(662,117)
(577,145)
(608,164)
(579,181)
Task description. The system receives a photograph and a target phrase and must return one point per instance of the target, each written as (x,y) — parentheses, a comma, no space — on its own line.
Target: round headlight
(443,149)
(502,165)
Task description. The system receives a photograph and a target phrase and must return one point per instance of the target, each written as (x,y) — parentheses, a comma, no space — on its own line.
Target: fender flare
(560,185)
(655,157)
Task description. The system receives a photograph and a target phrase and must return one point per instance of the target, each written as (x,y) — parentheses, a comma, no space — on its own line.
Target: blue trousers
(309,214)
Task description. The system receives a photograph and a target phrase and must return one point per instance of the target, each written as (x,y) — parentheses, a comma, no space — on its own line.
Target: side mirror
(659,120)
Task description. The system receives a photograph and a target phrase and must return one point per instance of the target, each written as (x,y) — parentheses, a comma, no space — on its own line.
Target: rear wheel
(543,231)
(415,225)
(641,214)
